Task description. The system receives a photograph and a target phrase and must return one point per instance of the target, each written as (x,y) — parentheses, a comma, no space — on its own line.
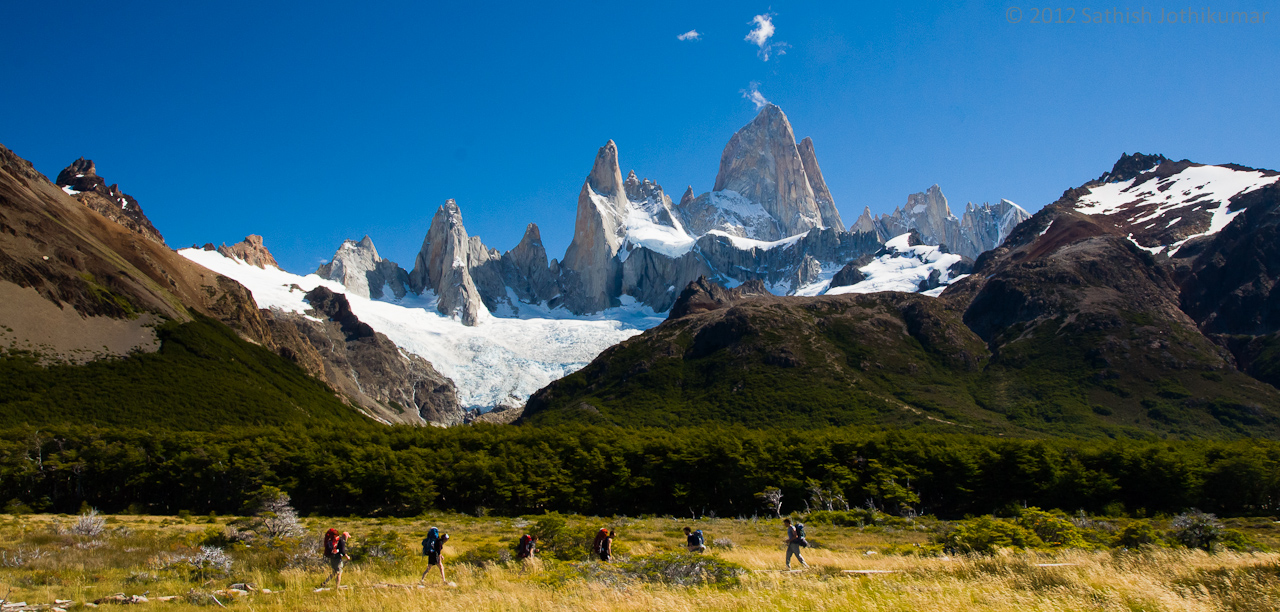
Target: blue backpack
(431,543)
(698,537)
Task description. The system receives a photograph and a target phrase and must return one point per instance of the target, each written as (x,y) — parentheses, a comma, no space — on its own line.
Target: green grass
(203,376)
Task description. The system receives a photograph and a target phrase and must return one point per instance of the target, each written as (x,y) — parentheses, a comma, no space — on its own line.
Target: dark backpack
(800,537)
(698,539)
(431,543)
(330,546)
(525,547)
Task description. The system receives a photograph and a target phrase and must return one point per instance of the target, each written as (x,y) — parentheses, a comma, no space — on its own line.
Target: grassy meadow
(48,559)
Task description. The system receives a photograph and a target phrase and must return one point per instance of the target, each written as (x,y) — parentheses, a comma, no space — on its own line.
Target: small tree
(771,498)
(1196,529)
(275,515)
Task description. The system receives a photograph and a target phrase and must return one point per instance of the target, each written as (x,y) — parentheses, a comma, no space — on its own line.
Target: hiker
(694,541)
(526,547)
(335,549)
(432,548)
(795,540)
(603,545)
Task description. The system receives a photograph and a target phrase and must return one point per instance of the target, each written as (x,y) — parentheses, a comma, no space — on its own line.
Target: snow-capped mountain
(495,364)
(1164,204)
(980,229)
(501,325)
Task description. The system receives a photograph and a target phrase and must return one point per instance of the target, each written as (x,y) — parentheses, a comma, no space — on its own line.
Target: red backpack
(330,542)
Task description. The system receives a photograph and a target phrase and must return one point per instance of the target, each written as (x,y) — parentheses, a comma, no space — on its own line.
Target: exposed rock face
(981,229)
(390,384)
(251,251)
(81,181)
(526,271)
(589,270)
(443,266)
(848,275)
(703,295)
(826,204)
(762,164)
(359,268)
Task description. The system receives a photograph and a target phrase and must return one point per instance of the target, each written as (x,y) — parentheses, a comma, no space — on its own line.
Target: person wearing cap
(338,560)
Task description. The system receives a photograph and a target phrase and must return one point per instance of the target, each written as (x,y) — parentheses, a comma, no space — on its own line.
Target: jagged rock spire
(763,164)
(589,267)
(826,205)
(442,266)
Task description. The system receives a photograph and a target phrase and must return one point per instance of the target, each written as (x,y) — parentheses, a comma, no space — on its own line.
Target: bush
(486,554)
(379,545)
(986,535)
(1196,529)
(1137,534)
(90,524)
(685,569)
(557,540)
(1055,530)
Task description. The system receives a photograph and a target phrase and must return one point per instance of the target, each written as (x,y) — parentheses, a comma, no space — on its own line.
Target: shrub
(557,540)
(1138,533)
(1196,529)
(486,554)
(380,545)
(986,535)
(724,543)
(90,524)
(685,569)
(1055,530)
(275,517)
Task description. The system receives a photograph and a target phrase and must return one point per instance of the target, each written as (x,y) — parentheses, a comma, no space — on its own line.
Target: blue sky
(313,122)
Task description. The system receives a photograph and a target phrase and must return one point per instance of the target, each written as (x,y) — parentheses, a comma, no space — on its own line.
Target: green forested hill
(203,377)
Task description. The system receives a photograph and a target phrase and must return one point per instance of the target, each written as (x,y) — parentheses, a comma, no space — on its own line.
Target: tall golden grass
(1148,580)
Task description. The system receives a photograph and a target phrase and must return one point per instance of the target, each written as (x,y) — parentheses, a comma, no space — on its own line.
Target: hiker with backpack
(335,550)
(795,541)
(603,544)
(432,548)
(526,547)
(694,541)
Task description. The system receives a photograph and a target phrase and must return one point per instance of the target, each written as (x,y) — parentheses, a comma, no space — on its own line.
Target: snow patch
(903,268)
(491,363)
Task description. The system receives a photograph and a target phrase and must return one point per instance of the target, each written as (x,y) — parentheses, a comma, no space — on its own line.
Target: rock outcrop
(81,181)
(390,384)
(359,268)
(443,266)
(251,250)
(526,271)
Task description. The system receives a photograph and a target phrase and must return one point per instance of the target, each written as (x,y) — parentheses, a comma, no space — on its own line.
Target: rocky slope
(1071,326)
(82,286)
(81,181)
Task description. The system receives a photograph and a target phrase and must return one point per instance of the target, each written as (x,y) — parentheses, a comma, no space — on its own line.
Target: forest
(339,470)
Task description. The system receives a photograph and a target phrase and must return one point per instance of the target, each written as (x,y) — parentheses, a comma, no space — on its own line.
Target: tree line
(338,470)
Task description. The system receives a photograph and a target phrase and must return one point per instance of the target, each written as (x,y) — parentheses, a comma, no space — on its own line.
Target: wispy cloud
(690,35)
(761,35)
(752,92)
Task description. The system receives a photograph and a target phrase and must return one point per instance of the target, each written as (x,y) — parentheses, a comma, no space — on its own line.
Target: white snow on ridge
(1209,187)
(500,361)
(903,268)
(747,244)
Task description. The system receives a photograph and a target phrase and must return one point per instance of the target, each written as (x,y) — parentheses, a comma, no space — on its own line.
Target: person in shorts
(338,560)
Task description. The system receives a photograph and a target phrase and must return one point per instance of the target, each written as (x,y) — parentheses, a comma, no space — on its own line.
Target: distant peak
(1130,166)
(531,233)
(606,177)
(366,242)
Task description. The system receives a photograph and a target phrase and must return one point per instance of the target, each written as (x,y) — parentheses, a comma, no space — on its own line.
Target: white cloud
(761,34)
(690,35)
(753,93)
